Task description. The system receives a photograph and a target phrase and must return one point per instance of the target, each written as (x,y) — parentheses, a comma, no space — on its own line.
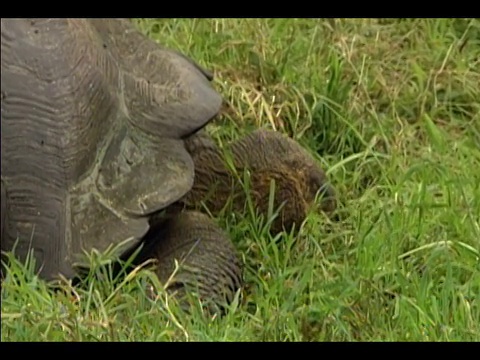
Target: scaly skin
(207,260)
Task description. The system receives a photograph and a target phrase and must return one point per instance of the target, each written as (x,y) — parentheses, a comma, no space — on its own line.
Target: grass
(391,109)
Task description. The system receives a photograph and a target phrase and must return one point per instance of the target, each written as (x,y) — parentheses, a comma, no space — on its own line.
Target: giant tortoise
(102,145)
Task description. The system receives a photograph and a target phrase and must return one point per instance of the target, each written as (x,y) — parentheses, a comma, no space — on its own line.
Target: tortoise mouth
(326,197)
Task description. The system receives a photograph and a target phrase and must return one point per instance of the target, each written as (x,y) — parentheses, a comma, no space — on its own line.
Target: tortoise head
(276,149)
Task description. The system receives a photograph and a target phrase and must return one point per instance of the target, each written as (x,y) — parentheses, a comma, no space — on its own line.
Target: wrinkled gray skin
(93,115)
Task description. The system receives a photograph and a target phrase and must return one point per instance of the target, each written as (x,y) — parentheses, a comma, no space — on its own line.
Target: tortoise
(103,144)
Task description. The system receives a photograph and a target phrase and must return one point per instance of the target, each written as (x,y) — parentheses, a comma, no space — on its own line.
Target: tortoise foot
(192,254)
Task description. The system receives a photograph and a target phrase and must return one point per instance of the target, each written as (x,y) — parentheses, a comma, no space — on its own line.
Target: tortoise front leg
(207,260)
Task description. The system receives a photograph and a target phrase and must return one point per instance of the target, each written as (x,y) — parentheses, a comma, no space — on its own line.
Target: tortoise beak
(327,198)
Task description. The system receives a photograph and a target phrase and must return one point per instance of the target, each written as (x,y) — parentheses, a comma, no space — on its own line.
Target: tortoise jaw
(327,199)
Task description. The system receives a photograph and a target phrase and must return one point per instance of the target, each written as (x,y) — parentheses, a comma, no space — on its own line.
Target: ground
(391,109)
